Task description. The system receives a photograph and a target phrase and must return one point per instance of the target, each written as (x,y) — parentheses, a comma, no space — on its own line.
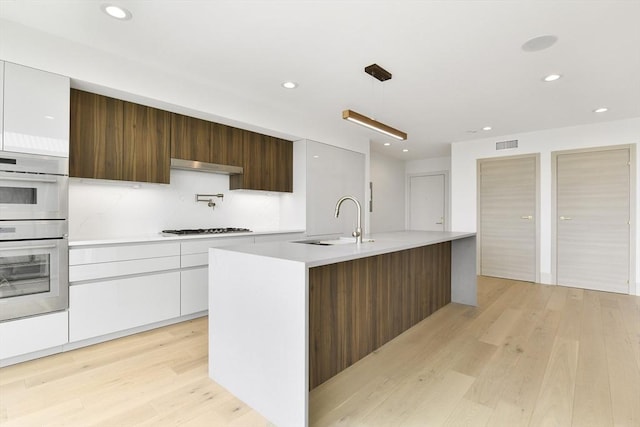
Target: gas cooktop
(207,231)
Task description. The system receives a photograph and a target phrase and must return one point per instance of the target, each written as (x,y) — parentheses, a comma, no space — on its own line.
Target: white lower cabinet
(194,290)
(100,308)
(32,334)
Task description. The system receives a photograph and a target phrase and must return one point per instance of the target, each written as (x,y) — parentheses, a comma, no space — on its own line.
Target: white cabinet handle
(565,218)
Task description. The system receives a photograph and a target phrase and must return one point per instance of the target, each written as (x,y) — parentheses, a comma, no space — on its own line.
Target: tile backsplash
(100,209)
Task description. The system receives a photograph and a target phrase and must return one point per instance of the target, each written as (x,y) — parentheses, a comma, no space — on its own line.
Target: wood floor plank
(624,373)
(522,386)
(500,329)
(469,414)
(554,406)
(592,405)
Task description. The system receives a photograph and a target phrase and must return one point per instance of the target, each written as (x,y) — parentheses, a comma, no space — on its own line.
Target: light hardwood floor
(527,355)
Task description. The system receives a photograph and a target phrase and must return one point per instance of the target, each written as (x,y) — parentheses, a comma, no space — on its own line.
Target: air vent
(504,145)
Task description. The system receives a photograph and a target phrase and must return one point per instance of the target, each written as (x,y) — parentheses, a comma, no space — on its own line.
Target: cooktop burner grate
(207,231)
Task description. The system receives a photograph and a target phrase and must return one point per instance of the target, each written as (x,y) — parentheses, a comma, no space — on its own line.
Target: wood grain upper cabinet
(190,138)
(267,163)
(226,145)
(96,136)
(147,144)
(114,139)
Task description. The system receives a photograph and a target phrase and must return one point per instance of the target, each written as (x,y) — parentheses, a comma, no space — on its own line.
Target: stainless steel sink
(332,242)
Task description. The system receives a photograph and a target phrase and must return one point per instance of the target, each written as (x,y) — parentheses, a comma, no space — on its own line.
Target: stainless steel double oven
(34,250)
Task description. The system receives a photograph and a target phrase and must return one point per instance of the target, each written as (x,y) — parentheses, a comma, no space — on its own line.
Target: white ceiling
(457,65)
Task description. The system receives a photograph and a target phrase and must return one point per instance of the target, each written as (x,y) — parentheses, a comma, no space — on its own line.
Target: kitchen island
(286,316)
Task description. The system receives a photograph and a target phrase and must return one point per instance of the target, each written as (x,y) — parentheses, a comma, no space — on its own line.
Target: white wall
(436,164)
(101,209)
(463,172)
(388,177)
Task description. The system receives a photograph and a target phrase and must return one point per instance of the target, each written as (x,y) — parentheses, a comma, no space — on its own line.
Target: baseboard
(96,340)
(546,279)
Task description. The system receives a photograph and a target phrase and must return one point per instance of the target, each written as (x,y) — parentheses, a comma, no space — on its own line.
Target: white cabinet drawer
(79,273)
(101,308)
(78,256)
(202,246)
(194,291)
(31,334)
(196,253)
(194,260)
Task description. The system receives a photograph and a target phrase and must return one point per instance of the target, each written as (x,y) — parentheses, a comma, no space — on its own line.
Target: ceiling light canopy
(539,43)
(289,85)
(600,110)
(365,121)
(116,12)
(487,128)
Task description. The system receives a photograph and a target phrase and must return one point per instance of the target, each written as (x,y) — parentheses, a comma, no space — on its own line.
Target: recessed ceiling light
(49,117)
(600,110)
(386,144)
(405,150)
(539,43)
(486,128)
(116,12)
(551,77)
(289,85)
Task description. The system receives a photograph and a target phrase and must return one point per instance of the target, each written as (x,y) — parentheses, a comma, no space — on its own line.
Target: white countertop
(159,237)
(316,255)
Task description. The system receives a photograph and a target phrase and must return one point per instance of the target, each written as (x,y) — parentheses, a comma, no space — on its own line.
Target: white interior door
(427,202)
(592,228)
(507,210)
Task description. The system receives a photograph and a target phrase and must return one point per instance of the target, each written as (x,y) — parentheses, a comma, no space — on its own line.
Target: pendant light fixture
(365,121)
(376,71)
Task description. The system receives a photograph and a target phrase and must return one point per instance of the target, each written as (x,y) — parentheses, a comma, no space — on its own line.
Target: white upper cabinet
(36,111)
(333,172)
(1,104)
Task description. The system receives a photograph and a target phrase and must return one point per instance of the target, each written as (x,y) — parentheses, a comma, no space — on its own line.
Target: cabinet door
(147,144)
(32,334)
(101,308)
(281,163)
(333,172)
(1,105)
(190,138)
(194,291)
(96,144)
(267,163)
(226,145)
(36,111)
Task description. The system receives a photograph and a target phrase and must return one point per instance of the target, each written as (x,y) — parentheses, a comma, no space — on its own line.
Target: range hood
(193,165)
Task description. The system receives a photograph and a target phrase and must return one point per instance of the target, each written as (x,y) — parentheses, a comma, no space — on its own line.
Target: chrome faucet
(358,233)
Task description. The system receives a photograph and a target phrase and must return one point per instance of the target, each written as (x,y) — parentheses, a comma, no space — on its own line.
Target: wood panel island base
(285,316)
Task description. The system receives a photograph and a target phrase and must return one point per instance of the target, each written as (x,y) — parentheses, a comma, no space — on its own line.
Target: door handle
(22,248)
(529,217)
(565,218)
(35,178)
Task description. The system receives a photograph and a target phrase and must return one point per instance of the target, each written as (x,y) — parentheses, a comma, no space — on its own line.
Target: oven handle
(47,180)
(19,248)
